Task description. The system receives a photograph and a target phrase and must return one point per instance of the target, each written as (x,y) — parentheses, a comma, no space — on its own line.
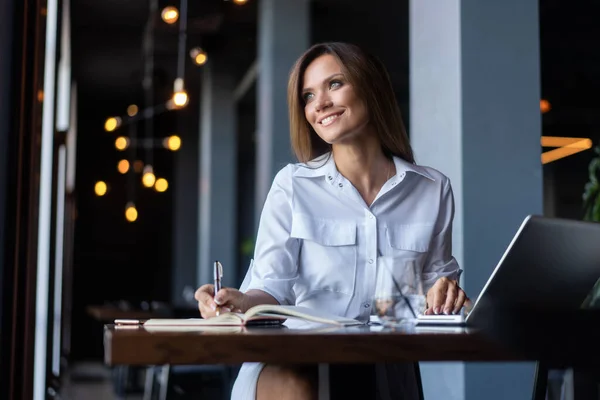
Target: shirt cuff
(281,299)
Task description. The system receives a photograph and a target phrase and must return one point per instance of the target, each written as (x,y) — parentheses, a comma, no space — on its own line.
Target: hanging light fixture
(172,143)
(148,177)
(169,14)
(180,96)
(545,106)
(123,166)
(100,188)
(198,55)
(121,143)
(132,110)
(112,123)
(131,213)
(161,185)
(131,165)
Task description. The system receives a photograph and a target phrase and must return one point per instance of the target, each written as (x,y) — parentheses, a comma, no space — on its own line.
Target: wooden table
(367,344)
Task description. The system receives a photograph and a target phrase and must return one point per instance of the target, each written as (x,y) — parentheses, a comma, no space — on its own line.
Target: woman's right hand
(226,300)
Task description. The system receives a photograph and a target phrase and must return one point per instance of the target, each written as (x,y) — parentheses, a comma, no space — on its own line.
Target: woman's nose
(323,102)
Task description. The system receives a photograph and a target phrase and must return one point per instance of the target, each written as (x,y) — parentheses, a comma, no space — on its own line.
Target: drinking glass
(398,291)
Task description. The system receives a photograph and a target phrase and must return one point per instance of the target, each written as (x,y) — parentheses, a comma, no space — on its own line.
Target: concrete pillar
(218,180)
(185,203)
(474,115)
(283,35)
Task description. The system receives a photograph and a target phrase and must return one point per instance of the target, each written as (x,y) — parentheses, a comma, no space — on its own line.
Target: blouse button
(340,185)
(329,177)
(366,305)
(370,261)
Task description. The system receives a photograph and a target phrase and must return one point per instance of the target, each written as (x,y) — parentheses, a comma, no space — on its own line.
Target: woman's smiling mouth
(330,119)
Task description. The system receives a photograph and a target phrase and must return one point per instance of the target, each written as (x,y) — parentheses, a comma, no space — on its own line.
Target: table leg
(120,377)
(149,386)
(540,384)
(164,381)
(324,382)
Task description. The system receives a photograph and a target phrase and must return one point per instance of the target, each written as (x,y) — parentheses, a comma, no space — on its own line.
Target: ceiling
(108,41)
(108,37)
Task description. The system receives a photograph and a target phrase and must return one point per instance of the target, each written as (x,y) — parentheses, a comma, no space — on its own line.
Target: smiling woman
(356,195)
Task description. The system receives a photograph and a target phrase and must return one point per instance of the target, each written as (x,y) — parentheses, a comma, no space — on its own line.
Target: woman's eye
(335,84)
(307,97)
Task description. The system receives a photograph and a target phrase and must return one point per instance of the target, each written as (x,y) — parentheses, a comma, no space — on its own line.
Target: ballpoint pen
(218,274)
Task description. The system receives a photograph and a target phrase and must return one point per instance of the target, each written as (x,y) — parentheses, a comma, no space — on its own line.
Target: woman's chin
(343,139)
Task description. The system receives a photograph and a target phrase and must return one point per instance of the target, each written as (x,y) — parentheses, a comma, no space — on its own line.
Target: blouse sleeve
(274,268)
(440,261)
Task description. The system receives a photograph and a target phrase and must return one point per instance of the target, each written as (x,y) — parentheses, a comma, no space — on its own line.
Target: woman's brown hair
(370,79)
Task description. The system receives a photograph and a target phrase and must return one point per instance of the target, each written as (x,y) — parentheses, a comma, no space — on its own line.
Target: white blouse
(318,241)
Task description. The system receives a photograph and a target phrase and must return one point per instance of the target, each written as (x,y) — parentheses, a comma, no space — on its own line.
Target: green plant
(593,299)
(591,194)
(591,207)
(247,246)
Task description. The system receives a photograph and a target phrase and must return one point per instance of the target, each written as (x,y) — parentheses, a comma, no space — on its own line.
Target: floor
(95,381)
(91,381)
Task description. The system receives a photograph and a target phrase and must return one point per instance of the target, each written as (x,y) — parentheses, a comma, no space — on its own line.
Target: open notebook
(260,314)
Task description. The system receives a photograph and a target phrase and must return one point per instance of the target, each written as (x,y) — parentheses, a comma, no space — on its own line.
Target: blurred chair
(163,382)
(171,382)
(557,382)
(419,381)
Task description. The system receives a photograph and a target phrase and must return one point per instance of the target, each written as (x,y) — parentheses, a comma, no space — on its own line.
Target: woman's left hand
(446,297)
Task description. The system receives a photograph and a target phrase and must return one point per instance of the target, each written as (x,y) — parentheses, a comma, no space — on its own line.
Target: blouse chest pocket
(409,241)
(328,253)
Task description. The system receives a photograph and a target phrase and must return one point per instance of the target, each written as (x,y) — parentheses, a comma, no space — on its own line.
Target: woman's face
(331,105)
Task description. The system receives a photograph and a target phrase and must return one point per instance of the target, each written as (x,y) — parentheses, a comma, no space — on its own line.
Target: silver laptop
(550,264)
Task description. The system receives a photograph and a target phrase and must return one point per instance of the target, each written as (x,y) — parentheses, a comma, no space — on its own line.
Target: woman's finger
(204,291)
(431,298)
(205,311)
(230,297)
(206,304)
(460,301)
(429,301)
(451,295)
(204,295)
(439,295)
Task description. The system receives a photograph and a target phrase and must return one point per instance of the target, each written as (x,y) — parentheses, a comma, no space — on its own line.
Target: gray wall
(475,90)
(283,35)
(217,226)
(185,204)
(498,194)
(501,127)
